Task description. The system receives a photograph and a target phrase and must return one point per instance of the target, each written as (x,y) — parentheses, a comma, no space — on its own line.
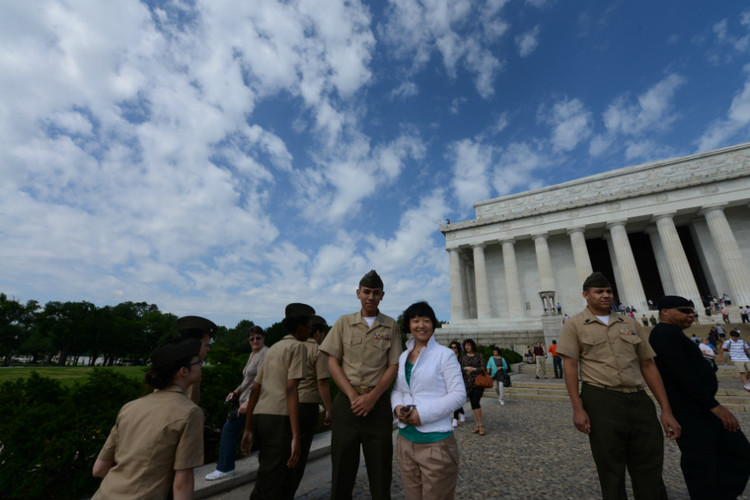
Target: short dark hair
(291,323)
(422,309)
(255,329)
(471,343)
(496,349)
(161,377)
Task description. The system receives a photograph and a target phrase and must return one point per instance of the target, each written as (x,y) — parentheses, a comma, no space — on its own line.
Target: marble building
(679,226)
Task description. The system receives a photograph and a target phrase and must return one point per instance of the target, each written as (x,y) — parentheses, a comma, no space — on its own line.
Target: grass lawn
(67,375)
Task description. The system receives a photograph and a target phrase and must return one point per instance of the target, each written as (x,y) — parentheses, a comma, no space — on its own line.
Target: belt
(626,390)
(363,389)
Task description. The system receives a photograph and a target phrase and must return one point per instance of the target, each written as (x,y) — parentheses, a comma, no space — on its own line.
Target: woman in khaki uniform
(273,408)
(157,440)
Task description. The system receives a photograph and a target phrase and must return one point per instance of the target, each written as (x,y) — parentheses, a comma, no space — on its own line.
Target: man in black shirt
(715,453)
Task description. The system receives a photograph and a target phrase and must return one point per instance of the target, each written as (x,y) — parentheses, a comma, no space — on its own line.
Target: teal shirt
(410,432)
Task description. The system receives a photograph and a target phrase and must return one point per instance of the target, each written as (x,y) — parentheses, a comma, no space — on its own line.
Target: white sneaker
(454,422)
(747,386)
(462,417)
(502,402)
(217,474)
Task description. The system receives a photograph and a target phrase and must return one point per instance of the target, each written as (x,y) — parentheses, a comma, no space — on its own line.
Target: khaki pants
(428,470)
(541,366)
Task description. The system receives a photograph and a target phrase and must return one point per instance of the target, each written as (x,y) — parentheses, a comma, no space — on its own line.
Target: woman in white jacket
(429,387)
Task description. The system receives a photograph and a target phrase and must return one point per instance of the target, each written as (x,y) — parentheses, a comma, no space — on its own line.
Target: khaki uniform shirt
(285,360)
(152,437)
(609,355)
(365,352)
(317,369)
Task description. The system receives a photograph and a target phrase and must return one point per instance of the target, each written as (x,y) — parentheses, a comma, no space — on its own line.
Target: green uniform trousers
(274,436)
(373,433)
(308,421)
(625,433)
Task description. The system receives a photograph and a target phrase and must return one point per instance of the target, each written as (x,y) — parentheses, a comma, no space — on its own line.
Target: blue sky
(225,158)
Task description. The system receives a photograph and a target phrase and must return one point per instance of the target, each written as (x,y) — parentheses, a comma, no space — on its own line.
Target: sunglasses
(199,363)
(255,338)
(686,310)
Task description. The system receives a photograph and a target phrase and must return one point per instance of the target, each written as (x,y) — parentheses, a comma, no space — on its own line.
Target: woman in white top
(235,423)
(429,386)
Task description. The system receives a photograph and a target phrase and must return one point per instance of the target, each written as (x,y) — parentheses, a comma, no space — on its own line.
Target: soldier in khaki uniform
(613,408)
(195,327)
(363,350)
(157,440)
(313,390)
(273,408)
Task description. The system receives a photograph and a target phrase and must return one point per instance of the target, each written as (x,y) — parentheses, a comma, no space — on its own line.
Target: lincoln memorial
(679,226)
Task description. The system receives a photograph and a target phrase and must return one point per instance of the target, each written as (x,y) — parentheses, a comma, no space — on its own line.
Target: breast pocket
(375,352)
(592,344)
(633,340)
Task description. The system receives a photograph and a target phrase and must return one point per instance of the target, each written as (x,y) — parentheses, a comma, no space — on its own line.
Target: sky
(225,158)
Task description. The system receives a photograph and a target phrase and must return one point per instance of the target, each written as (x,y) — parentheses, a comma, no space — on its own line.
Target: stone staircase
(527,387)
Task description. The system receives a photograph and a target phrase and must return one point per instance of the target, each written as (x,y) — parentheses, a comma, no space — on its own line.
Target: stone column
(730,256)
(457,289)
(630,288)
(544,263)
(480,281)
(661,263)
(512,284)
(679,268)
(580,255)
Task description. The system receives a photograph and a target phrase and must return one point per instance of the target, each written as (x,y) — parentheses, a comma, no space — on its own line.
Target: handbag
(483,380)
(506,380)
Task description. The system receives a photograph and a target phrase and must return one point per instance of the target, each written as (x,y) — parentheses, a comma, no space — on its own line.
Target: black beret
(371,280)
(672,301)
(596,280)
(195,326)
(297,310)
(175,350)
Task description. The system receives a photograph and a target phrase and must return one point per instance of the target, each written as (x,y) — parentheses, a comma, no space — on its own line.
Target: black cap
(297,309)
(672,301)
(175,350)
(596,280)
(319,322)
(195,326)
(371,280)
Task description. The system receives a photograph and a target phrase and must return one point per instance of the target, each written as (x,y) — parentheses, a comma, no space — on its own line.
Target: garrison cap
(672,301)
(195,326)
(297,309)
(371,280)
(175,350)
(596,280)
(319,322)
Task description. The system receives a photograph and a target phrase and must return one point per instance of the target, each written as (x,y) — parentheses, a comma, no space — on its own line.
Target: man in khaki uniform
(195,327)
(613,408)
(157,440)
(273,408)
(363,350)
(313,390)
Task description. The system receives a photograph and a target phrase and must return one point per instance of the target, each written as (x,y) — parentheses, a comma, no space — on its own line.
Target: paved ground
(531,451)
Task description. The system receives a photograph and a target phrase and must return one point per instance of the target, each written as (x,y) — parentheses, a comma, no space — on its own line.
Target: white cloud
(734,126)
(471,163)
(528,42)
(571,123)
(515,169)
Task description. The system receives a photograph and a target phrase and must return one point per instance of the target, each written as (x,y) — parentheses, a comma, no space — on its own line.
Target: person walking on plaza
(745,314)
(471,363)
(738,352)
(363,350)
(313,390)
(428,388)
(498,368)
(235,423)
(613,408)
(556,360)
(725,314)
(157,440)
(273,408)
(712,444)
(459,416)
(541,360)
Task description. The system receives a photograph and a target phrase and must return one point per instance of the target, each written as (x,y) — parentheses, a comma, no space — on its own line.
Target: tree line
(63,332)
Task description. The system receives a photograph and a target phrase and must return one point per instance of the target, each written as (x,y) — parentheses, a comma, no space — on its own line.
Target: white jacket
(437,387)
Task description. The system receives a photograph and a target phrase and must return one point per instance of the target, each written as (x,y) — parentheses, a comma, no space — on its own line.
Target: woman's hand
(242,409)
(470,369)
(230,396)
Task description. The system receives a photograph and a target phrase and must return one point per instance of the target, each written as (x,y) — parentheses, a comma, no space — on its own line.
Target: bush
(51,435)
